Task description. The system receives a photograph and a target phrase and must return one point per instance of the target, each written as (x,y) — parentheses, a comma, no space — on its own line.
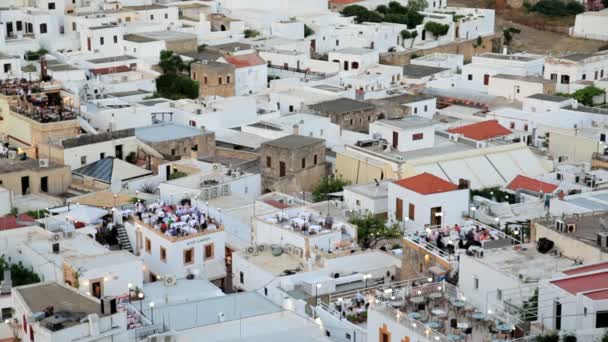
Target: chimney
(296,130)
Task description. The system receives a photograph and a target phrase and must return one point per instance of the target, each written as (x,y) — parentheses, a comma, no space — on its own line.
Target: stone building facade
(293,163)
(214,78)
(349,114)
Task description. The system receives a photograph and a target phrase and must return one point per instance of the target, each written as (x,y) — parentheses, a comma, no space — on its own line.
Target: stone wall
(208,77)
(182,45)
(466,48)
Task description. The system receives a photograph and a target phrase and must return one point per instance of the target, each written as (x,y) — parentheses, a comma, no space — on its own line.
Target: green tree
(414,19)
(557,8)
(530,309)
(508,34)
(382,9)
(585,96)
(308,31)
(328,185)
(170,63)
(20,274)
(371,230)
(437,29)
(397,8)
(249,33)
(405,34)
(417,5)
(605,3)
(414,34)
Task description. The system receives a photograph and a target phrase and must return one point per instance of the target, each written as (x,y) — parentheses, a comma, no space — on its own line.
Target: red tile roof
(12,222)
(598,295)
(583,283)
(482,130)
(587,268)
(527,183)
(426,184)
(243,61)
(276,204)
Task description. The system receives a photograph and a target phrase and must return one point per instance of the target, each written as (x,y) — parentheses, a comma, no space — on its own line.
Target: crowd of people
(175,220)
(448,237)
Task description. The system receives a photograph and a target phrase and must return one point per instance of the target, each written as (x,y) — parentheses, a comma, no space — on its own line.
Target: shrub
(251,33)
(437,29)
(308,31)
(557,8)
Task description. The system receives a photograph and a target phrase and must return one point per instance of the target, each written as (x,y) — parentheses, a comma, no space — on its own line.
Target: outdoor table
(463,325)
(436,295)
(415,315)
(417,300)
(504,327)
(458,304)
(453,337)
(396,303)
(478,316)
(433,325)
(438,312)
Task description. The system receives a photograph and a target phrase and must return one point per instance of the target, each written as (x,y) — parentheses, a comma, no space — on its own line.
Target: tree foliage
(249,33)
(35,55)
(585,96)
(393,13)
(436,28)
(371,230)
(308,31)
(557,8)
(172,84)
(327,186)
(508,34)
(171,63)
(20,275)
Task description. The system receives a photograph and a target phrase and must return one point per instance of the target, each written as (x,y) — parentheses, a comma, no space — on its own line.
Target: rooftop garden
(393,13)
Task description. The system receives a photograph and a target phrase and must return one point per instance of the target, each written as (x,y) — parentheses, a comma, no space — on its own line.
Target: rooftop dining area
(40,101)
(437,311)
(174,221)
(305,221)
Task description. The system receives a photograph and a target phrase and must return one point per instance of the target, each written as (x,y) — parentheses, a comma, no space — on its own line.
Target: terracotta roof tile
(584,283)
(527,183)
(243,61)
(587,268)
(426,184)
(482,130)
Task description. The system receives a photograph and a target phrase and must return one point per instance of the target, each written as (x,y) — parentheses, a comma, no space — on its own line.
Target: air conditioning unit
(559,225)
(170,280)
(571,228)
(43,163)
(69,235)
(250,249)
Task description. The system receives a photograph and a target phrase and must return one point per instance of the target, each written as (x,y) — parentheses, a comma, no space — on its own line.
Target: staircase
(123,238)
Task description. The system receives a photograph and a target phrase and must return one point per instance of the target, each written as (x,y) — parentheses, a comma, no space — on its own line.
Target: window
(476,283)
(584,77)
(102,155)
(337,42)
(172,151)
(43,28)
(282,169)
(188,256)
(209,251)
(20,28)
(115,39)
(163,254)
(517,89)
(596,74)
(227,79)
(426,108)
(314,159)
(351,122)
(219,80)
(6,313)
(166,15)
(101,40)
(194,148)
(83,160)
(498,294)
(194,75)
(74,27)
(192,123)
(603,137)
(357,202)
(303,163)
(148,245)
(486,79)
(151,16)
(51,5)
(291,108)
(512,125)
(398,209)
(411,211)
(355,65)
(7,67)
(565,79)
(417,136)
(601,319)
(205,80)
(415,110)
(470,77)
(526,127)
(268,162)
(553,77)
(241,277)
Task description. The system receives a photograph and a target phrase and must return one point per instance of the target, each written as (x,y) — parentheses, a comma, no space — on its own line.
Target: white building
(450,61)
(366,199)
(575,300)
(251,72)
(407,134)
(477,74)
(354,58)
(576,67)
(50,312)
(519,87)
(591,25)
(426,201)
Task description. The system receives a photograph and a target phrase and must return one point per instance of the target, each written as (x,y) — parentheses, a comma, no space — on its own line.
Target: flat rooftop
(167,132)
(14,165)
(420,71)
(341,106)
(551,98)
(284,264)
(408,122)
(161,35)
(69,306)
(122,58)
(587,225)
(592,110)
(509,57)
(355,51)
(293,142)
(370,190)
(524,261)
(534,79)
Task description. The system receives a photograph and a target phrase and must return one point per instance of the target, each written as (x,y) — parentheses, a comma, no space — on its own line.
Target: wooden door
(399,209)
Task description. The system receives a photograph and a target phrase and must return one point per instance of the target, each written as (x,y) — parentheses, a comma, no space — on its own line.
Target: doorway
(44,184)
(118,151)
(25,185)
(558,315)
(436,216)
(281,169)
(97,288)
(168,171)
(395,139)
(345,65)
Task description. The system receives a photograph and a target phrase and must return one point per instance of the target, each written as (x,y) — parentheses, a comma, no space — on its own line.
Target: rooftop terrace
(39,101)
